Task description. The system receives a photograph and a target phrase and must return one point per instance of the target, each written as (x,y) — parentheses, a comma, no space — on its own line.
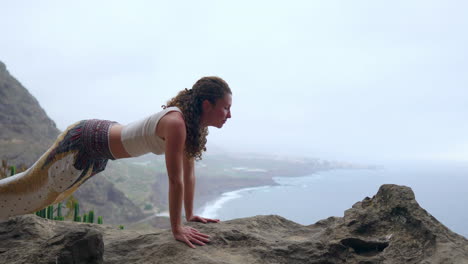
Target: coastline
(204,195)
(210,190)
(449,179)
(210,208)
(202,201)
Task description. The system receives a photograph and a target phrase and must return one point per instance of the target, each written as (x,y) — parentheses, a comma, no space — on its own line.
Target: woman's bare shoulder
(173,118)
(171,123)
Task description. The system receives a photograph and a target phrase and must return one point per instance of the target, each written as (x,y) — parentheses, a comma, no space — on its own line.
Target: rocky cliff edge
(388,228)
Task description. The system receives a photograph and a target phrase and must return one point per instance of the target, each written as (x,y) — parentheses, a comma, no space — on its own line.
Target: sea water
(440,188)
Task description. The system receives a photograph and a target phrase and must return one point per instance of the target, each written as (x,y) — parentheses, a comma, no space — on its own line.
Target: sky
(344,80)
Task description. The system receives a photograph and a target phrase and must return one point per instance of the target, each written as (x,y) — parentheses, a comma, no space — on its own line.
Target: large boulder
(389,228)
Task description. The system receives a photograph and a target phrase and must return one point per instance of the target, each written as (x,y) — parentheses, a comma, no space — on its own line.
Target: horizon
(358,82)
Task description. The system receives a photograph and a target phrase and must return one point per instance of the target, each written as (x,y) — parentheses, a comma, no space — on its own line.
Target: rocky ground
(389,228)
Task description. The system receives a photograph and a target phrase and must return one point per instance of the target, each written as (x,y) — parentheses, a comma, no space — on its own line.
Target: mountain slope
(25,129)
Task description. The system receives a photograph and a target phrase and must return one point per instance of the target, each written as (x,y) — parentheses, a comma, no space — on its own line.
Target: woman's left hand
(197,218)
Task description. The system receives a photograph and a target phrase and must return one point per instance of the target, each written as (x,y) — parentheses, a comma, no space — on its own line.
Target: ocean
(440,187)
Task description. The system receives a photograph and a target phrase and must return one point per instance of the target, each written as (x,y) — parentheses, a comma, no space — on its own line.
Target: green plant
(121,227)
(91,217)
(43,213)
(99,220)
(59,210)
(77,212)
(12,170)
(50,212)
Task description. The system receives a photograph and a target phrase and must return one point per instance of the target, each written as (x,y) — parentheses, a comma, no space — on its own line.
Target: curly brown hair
(190,101)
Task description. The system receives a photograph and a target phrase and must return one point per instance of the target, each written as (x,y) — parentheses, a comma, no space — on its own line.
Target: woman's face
(217,114)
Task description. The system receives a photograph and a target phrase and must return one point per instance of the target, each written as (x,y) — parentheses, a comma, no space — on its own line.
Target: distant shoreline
(209,190)
(204,201)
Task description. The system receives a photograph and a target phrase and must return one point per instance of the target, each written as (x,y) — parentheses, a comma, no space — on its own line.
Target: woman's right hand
(190,235)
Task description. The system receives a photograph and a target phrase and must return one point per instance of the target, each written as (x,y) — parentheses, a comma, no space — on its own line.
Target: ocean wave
(210,210)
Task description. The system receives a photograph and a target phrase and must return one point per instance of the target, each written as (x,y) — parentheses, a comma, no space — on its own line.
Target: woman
(83,149)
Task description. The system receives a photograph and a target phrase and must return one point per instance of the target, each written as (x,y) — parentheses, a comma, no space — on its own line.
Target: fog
(345,80)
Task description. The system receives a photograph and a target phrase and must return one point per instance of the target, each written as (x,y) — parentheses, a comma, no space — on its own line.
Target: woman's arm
(175,134)
(189,192)
(189,184)
(175,139)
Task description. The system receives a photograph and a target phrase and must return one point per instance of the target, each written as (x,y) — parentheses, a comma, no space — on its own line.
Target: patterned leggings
(79,153)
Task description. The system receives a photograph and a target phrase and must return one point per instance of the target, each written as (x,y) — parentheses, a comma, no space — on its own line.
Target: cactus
(12,170)
(51,208)
(91,217)
(59,210)
(50,212)
(77,212)
(43,213)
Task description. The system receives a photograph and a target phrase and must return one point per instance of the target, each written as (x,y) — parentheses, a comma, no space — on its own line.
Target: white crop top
(140,137)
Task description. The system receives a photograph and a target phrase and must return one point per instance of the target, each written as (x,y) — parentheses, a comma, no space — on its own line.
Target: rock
(82,246)
(388,228)
(30,239)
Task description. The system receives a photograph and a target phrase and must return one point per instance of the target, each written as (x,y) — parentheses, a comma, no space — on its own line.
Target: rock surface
(389,228)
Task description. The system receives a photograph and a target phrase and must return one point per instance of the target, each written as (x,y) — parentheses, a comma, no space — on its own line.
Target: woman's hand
(197,218)
(190,235)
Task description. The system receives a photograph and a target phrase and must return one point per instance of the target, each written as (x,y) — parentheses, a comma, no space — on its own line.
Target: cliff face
(25,129)
(106,200)
(389,228)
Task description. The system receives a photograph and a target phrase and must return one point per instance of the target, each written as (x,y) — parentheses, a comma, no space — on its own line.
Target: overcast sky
(346,80)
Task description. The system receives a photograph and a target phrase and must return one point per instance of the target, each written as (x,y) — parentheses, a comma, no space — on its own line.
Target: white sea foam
(210,210)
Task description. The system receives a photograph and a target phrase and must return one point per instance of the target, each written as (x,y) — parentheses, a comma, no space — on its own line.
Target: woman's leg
(79,153)
(41,184)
